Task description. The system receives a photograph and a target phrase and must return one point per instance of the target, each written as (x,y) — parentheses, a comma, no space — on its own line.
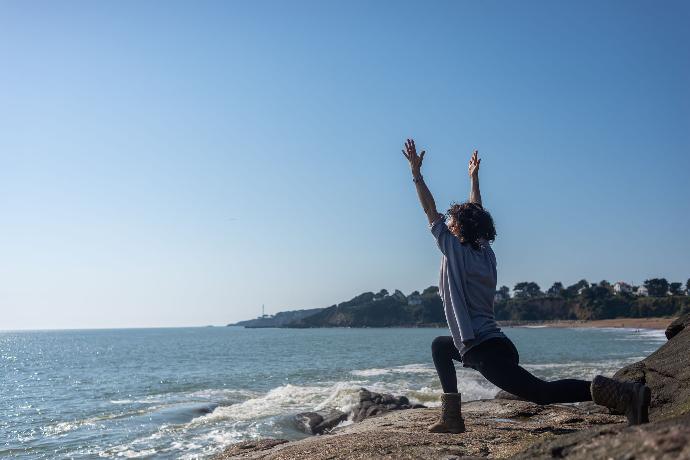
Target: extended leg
(517,380)
(497,360)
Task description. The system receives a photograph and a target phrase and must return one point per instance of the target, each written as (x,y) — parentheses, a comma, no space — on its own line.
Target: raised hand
(415,160)
(473,167)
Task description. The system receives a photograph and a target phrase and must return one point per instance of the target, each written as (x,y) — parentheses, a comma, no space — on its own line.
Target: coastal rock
(495,428)
(677,325)
(371,403)
(319,423)
(668,439)
(667,373)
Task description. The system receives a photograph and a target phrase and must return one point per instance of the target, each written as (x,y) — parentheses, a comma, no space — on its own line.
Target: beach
(628,323)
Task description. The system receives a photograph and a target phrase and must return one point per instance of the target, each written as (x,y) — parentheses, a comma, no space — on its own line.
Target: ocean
(190,392)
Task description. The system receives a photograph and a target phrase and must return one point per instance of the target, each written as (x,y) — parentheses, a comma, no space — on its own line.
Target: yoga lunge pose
(467,287)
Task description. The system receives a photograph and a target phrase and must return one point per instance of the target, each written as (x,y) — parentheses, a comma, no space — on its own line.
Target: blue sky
(182,163)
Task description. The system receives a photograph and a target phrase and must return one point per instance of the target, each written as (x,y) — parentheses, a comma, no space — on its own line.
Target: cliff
(368,310)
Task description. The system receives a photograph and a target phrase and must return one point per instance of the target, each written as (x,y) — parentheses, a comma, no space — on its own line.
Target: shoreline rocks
(509,428)
(370,404)
(318,422)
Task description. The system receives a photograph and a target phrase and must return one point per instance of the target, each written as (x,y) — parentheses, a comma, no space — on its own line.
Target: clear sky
(170,164)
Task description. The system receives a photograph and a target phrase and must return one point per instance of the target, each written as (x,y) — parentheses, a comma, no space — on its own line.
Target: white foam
(406,369)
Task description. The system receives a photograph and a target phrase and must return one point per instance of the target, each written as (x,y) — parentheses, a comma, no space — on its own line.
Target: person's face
(453,226)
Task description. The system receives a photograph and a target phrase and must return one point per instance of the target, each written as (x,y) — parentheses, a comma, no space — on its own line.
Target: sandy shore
(634,323)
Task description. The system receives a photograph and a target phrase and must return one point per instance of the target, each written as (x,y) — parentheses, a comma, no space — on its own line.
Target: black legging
(497,360)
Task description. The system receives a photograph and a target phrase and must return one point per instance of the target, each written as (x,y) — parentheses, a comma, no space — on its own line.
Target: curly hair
(470,223)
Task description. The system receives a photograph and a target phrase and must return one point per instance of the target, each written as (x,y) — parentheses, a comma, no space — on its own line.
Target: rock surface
(319,423)
(667,373)
(371,403)
(677,325)
(495,428)
(668,439)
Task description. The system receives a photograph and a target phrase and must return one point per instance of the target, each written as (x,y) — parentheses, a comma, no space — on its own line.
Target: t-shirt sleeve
(444,239)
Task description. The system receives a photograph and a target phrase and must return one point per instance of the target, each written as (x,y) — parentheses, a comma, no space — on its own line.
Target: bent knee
(441,344)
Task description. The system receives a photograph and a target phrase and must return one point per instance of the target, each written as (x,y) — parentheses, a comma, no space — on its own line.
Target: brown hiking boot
(629,398)
(451,420)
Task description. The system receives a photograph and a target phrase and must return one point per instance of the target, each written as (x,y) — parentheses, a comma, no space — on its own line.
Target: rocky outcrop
(668,439)
(371,403)
(319,423)
(677,325)
(666,372)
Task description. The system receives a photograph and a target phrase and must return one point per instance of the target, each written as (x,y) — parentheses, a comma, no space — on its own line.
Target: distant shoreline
(632,323)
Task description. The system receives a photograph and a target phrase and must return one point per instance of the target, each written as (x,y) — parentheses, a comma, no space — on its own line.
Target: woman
(467,287)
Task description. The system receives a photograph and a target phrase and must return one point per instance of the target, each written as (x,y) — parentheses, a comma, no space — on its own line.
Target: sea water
(190,392)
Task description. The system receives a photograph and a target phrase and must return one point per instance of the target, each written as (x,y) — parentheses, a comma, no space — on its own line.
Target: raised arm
(425,197)
(473,170)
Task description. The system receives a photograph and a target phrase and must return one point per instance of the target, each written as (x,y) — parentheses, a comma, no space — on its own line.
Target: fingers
(421,157)
(405,155)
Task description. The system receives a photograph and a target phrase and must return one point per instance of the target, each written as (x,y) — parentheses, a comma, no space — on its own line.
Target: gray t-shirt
(467,288)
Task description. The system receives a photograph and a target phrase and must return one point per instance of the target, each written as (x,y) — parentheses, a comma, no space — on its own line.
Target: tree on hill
(556,289)
(503,293)
(430,290)
(656,287)
(526,289)
(381,294)
(675,288)
(687,287)
(573,290)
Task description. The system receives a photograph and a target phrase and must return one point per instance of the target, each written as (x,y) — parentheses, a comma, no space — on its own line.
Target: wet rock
(330,421)
(371,403)
(319,423)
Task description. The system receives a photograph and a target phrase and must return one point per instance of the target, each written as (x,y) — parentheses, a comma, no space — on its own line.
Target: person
(467,287)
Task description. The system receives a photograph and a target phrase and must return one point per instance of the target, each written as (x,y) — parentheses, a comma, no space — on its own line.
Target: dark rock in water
(667,373)
(677,325)
(371,403)
(319,423)
(307,421)
(330,421)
